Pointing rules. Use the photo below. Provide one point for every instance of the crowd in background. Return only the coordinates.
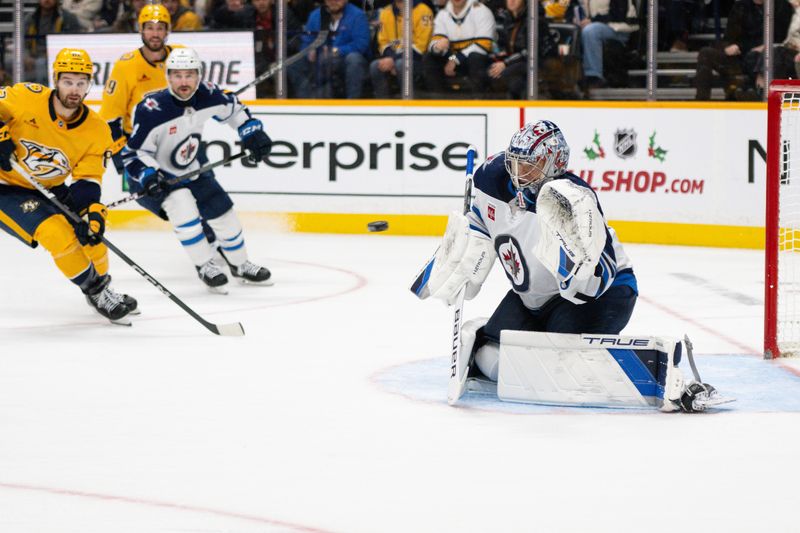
(461, 48)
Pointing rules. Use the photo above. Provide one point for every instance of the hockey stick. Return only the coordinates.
(178, 179)
(234, 329)
(321, 37)
(458, 370)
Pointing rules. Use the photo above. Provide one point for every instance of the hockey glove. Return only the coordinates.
(254, 140)
(63, 195)
(91, 229)
(119, 142)
(154, 183)
(6, 149)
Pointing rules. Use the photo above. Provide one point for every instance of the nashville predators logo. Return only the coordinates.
(29, 206)
(45, 163)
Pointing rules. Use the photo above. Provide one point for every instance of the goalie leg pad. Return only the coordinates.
(487, 359)
(582, 370)
(463, 359)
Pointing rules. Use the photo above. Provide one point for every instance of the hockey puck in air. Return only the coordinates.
(378, 225)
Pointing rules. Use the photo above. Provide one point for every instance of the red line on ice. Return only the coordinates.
(161, 504)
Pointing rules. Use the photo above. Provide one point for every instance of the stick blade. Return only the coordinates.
(234, 329)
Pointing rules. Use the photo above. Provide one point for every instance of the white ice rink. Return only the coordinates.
(330, 414)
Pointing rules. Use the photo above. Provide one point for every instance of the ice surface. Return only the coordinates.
(331, 414)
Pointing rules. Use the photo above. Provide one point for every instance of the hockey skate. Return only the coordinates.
(249, 273)
(213, 276)
(108, 303)
(132, 305)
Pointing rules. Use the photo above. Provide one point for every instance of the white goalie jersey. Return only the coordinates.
(516, 233)
(167, 133)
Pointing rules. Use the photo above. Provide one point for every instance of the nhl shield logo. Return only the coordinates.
(29, 206)
(625, 143)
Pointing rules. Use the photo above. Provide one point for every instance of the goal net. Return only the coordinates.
(782, 253)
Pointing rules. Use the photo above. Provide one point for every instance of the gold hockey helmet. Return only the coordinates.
(154, 13)
(72, 60)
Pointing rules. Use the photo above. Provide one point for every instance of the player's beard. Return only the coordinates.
(185, 91)
(72, 101)
(155, 44)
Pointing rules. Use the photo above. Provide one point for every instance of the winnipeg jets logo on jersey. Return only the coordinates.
(185, 151)
(151, 104)
(513, 263)
(45, 163)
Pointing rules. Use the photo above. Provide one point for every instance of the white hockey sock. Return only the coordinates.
(181, 209)
(229, 232)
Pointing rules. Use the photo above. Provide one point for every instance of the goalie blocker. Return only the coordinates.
(589, 370)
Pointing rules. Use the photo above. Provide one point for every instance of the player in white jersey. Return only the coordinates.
(166, 142)
(569, 274)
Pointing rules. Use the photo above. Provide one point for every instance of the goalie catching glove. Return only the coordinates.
(465, 257)
(573, 232)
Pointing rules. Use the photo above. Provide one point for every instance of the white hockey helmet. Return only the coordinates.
(536, 152)
(184, 59)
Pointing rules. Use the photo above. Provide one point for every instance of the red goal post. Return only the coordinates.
(782, 239)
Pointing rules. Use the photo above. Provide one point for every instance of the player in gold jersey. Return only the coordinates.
(136, 74)
(51, 134)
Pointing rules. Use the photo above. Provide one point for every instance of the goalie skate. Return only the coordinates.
(213, 277)
(698, 397)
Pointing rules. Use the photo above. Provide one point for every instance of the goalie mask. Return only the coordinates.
(536, 153)
(182, 82)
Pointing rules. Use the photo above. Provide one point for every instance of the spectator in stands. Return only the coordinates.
(511, 64)
(47, 18)
(303, 8)
(390, 44)
(463, 37)
(783, 54)
(266, 18)
(606, 20)
(85, 10)
(559, 10)
(128, 20)
(109, 12)
(183, 18)
(738, 51)
(233, 15)
(676, 20)
(340, 65)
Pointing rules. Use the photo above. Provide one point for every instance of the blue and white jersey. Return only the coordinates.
(515, 233)
(167, 132)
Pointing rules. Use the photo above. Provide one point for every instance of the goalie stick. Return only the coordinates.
(233, 329)
(458, 370)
